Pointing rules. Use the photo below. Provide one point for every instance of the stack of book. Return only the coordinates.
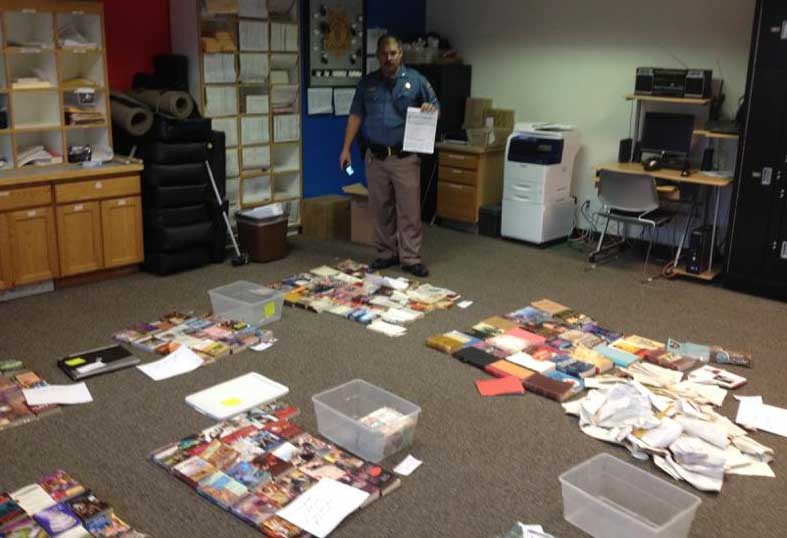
(256, 463)
(14, 410)
(553, 349)
(36, 156)
(57, 505)
(348, 290)
(84, 116)
(210, 337)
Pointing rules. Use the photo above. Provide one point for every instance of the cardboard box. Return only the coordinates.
(221, 7)
(501, 118)
(487, 137)
(361, 218)
(326, 217)
(475, 110)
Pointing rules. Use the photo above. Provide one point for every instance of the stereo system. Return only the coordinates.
(663, 82)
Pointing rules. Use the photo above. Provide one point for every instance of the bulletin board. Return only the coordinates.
(336, 42)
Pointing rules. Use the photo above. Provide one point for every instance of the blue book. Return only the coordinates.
(577, 384)
(618, 356)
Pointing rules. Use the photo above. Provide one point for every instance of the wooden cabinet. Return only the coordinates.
(68, 221)
(33, 245)
(6, 271)
(79, 238)
(467, 179)
(121, 224)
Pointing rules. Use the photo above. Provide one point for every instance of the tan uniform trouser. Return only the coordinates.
(395, 200)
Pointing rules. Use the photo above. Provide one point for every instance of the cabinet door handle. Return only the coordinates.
(31, 214)
(5, 194)
(99, 185)
(121, 202)
(783, 35)
(79, 207)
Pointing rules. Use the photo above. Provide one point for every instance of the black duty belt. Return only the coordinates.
(383, 152)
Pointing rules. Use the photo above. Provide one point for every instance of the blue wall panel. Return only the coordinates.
(323, 135)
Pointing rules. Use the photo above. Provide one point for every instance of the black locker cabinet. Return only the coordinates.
(757, 252)
(451, 83)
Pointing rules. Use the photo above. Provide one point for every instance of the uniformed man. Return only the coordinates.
(394, 176)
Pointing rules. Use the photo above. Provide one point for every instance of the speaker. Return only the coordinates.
(637, 155)
(698, 83)
(707, 159)
(644, 82)
(624, 153)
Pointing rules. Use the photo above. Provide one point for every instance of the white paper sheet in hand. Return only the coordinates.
(58, 394)
(420, 131)
(180, 361)
(236, 395)
(323, 507)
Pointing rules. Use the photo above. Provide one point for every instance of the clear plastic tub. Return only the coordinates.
(609, 498)
(366, 420)
(248, 302)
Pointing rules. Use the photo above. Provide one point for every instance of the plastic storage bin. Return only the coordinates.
(365, 419)
(248, 302)
(608, 498)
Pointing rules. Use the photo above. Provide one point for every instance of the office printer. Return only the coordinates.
(537, 202)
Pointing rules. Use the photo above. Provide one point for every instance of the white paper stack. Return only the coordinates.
(253, 35)
(256, 104)
(228, 126)
(286, 128)
(386, 328)
(256, 9)
(236, 396)
(254, 67)
(256, 157)
(254, 130)
(220, 101)
(219, 68)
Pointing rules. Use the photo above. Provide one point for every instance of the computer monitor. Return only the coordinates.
(667, 133)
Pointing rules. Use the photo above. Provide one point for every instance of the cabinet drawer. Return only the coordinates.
(458, 175)
(96, 189)
(459, 160)
(27, 197)
(457, 202)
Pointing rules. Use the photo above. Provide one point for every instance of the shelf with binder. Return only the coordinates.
(254, 68)
(29, 28)
(32, 70)
(81, 111)
(254, 99)
(51, 141)
(6, 150)
(255, 190)
(253, 35)
(79, 30)
(219, 68)
(221, 101)
(229, 126)
(285, 70)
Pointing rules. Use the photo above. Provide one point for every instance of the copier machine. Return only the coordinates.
(537, 202)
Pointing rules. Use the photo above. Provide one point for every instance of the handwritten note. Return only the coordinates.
(323, 507)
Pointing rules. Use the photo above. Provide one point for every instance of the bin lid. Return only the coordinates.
(269, 212)
(245, 292)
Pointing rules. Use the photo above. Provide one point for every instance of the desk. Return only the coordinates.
(696, 178)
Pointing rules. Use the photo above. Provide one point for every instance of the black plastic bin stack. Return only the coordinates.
(183, 225)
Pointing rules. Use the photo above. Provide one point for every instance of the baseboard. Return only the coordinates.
(98, 276)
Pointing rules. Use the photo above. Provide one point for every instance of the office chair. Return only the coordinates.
(630, 199)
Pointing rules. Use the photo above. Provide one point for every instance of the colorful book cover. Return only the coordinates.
(222, 489)
(617, 356)
(272, 464)
(56, 519)
(296, 481)
(549, 306)
(267, 441)
(490, 349)
(23, 528)
(275, 493)
(61, 486)
(87, 506)
(219, 455)
(276, 527)
(9, 509)
(689, 350)
(169, 456)
(283, 429)
(112, 527)
(248, 474)
(319, 469)
(13, 408)
(194, 470)
(343, 460)
(254, 509)
(577, 385)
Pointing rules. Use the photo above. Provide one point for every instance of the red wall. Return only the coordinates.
(136, 31)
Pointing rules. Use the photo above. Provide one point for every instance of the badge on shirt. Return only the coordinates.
(407, 85)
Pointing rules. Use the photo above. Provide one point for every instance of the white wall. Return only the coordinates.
(572, 61)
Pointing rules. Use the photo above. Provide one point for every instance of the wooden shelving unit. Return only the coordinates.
(676, 100)
(708, 275)
(245, 68)
(710, 134)
(33, 34)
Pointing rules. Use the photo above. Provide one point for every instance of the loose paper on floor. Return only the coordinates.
(407, 466)
(323, 507)
(58, 394)
(420, 131)
(181, 361)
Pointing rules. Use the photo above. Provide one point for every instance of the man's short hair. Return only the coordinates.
(388, 38)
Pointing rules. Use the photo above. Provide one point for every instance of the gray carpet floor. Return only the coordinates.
(488, 461)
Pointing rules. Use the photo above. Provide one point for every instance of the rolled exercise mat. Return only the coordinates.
(135, 119)
(177, 104)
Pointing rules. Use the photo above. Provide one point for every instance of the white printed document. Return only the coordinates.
(180, 361)
(420, 131)
(58, 394)
(323, 507)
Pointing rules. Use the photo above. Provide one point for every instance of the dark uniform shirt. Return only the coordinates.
(382, 103)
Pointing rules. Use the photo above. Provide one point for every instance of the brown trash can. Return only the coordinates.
(264, 240)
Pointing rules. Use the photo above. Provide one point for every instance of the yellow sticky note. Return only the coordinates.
(231, 402)
(76, 361)
(270, 309)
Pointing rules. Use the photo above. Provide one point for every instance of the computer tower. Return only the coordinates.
(699, 250)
